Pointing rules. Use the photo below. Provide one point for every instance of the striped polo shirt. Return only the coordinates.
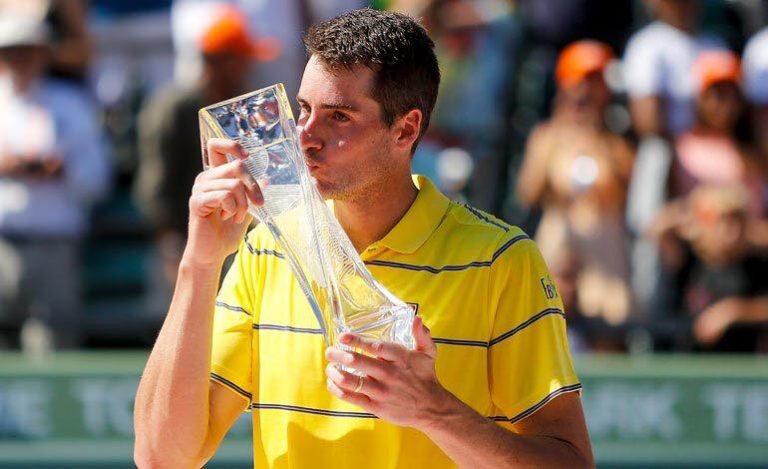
(479, 284)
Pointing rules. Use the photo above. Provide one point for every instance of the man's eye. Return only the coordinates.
(340, 116)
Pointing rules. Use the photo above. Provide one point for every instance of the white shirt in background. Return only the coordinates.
(755, 68)
(658, 62)
(51, 120)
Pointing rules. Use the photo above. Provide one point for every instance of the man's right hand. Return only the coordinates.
(218, 207)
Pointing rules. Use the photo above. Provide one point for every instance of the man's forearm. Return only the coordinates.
(754, 309)
(476, 442)
(172, 402)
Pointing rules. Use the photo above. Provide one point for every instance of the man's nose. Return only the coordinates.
(309, 136)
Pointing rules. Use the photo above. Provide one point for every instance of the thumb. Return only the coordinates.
(422, 338)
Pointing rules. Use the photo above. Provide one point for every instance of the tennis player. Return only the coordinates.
(490, 382)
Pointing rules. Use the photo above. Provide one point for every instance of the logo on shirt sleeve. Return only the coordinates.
(550, 290)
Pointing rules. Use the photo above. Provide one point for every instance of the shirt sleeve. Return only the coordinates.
(755, 68)
(529, 359)
(642, 70)
(232, 355)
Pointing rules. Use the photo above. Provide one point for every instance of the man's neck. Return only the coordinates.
(368, 220)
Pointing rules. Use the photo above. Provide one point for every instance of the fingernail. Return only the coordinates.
(345, 339)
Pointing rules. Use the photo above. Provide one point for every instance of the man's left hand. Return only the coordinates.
(399, 385)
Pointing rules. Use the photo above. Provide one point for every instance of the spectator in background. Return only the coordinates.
(755, 70)
(657, 71)
(52, 167)
(71, 51)
(464, 147)
(711, 152)
(755, 66)
(576, 171)
(169, 129)
(725, 290)
(657, 67)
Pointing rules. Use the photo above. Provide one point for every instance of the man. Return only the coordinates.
(52, 167)
(495, 386)
(168, 129)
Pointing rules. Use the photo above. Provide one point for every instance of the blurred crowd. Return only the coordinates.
(629, 137)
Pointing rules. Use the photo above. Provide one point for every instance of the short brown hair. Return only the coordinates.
(395, 46)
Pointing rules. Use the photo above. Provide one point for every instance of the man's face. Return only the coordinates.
(226, 72)
(348, 148)
(590, 95)
(720, 106)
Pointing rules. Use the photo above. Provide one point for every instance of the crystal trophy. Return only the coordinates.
(343, 295)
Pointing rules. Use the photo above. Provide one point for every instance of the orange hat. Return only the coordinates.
(715, 67)
(580, 59)
(228, 34)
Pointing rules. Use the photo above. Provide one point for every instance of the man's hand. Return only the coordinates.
(400, 385)
(218, 207)
(712, 323)
(30, 167)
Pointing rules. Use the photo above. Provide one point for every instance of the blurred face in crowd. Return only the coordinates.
(720, 106)
(682, 14)
(722, 240)
(349, 149)
(588, 98)
(224, 75)
(24, 63)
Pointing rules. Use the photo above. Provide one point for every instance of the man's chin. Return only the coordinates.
(327, 190)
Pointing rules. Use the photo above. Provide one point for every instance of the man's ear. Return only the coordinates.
(408, 127)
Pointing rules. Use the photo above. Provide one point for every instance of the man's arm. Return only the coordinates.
(532, 181)
(180, 417)
(647, 116)
(714, 322)
(401, 386)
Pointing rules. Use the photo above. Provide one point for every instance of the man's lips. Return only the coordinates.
(312, 165)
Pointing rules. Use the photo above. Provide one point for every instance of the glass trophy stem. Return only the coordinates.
(342, 295)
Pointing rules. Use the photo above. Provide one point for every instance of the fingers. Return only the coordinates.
(377, 348)
(227, 187)
(354, 384)
(233, 169)
(358, 399)
(238, 188)
(208, 202)
(219, 148)
(422, 338)
(374, 367)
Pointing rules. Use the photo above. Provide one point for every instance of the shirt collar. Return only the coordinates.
(421, 219)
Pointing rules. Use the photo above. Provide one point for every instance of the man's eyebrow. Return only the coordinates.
(331, 105)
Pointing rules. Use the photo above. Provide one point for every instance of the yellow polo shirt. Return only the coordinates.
(479, 284)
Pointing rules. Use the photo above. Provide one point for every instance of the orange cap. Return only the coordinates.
(715, 67)
(580, 59)
(228, 34)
